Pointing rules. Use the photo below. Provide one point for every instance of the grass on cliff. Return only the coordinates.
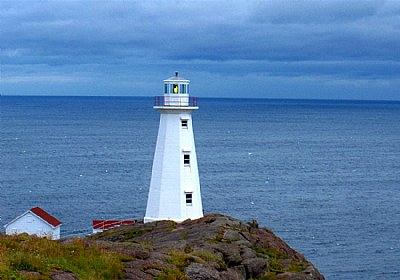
(276, 266)
(27, 253)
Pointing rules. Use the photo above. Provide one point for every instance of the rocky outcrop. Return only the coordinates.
(213, 247)
(62, 275)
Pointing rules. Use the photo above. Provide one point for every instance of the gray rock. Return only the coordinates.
(248, 253)
(232, 274)
(255, 267)
(153, 272)
(230, 253)
(232, 235)
(240, 270)
(196, 271)
(135, 274)
(148, 264)
(213, 247)
(246, 235)
(62, 275)
(243, 243)
(294, 276)
(157, 255)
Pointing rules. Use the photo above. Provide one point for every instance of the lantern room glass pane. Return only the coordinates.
(175, 88)
(183, 88)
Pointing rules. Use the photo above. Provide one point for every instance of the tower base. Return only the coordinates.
(150, 219)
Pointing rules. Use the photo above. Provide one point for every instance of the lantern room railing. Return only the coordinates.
(175, 101)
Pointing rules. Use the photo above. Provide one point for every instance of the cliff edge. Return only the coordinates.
(213, 247)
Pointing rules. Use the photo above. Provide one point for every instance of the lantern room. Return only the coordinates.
(176, 94)
(176, 85)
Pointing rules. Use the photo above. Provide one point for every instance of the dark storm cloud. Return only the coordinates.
(347, 39)
(308, 12)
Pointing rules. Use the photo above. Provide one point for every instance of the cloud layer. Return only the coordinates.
(127, 47)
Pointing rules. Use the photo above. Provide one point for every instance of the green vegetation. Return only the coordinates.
(188, 249)
(184, 235)
(297, 266)
(274, 257)
(180, 260)
(268, 276)
(276, 265)
(218, 237)
(209, 257)
(149, 266)
(27, 253)
(121, 235)
(172, 226)
(171, 274)
(162, 250)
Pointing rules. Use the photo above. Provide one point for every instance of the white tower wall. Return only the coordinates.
(171, 179)
(175, 186)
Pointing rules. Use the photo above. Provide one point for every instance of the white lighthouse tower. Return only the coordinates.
(175, 186)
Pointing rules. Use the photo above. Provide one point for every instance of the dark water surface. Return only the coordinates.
(323, 175)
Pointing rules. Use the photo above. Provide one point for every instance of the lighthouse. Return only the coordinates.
(174, 192)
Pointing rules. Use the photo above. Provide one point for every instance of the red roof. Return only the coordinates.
(106, 224)
(45, 216)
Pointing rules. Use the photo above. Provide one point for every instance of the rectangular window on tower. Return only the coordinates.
(189, 199)
(186, 160)
(184, 123)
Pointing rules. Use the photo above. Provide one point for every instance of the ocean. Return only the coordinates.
(323, 175)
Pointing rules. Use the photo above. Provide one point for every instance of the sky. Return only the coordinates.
(245, 49)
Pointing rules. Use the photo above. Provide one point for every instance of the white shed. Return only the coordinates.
(35, 221)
